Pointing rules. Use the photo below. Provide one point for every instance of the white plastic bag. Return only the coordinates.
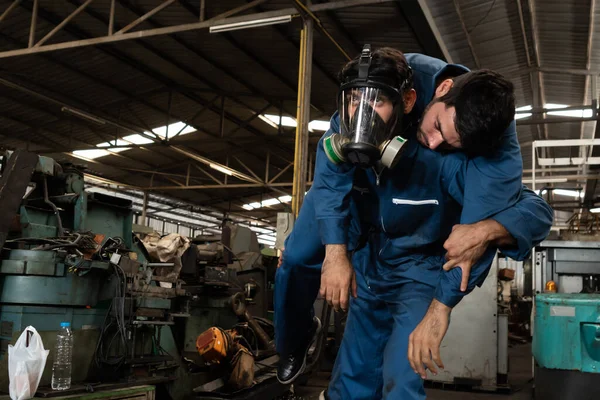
(26, 365)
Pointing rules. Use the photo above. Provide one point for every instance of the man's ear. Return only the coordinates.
(443, 87)
(410, 98)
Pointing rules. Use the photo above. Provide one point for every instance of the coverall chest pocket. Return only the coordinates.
(410, 216)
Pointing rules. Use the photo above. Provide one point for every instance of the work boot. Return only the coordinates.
(293, 365)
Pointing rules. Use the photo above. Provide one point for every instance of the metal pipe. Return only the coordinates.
(202, 10)
(533, 146)
(247, 168)
(557, 120)
(238, 10)
(271, 186)
(62, 24)
(533, 179)
(238, 304)
(144, 208)
(303, 114)
(144, 17)
(187, 27)
(187, 178)
(209, 175)
(322, 29)
(267, 166)
(536, 53)
(111, 18)
(34, 14)
(281, 173)
(9, 10)
(60, 230)
(168, 115)
(467, 35)
(222, 120)
(523, 34)
(215, 165)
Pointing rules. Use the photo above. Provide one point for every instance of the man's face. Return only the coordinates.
(437, 129)
(381, 104)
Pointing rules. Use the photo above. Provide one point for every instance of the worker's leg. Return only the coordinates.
(357, 373)
(297, 282)
(408, 307)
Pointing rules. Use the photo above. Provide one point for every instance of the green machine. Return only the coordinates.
(70, 256)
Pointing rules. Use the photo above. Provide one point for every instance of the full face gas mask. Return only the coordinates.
(371, 111)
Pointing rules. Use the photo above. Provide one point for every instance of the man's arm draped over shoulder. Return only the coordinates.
(331, 189)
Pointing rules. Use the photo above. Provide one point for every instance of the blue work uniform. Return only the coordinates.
(412, 209)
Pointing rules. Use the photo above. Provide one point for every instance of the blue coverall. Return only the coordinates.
(412, 208)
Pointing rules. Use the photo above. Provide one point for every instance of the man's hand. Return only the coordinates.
(467, 243)
(337, 276)
(280, 260)
(424, 342)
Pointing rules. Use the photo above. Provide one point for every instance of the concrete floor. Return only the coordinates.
(519, 379)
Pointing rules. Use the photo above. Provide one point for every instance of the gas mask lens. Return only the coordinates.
(364, 114)
(370, 109)
(367, 119)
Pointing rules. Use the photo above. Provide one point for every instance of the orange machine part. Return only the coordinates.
(212, 345)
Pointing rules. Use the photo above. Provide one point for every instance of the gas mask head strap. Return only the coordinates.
(364, 64)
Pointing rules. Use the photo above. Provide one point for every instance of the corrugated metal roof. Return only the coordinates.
(132, 81)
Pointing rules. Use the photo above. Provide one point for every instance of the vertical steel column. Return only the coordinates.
(533, 165)
(34, 14)
(111, 18)
(144, 207)
(222, 121)
(303, 115)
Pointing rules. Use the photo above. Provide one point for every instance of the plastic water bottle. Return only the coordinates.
(61, 369)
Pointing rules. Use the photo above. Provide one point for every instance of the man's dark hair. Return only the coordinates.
(387, 63)
(485, 106)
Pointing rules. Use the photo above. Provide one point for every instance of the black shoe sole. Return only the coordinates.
(303, 367)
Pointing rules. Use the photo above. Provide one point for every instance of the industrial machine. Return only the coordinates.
(476, 358)
(70, 255)
(566, 328)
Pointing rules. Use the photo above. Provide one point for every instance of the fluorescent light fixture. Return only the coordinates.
(595, 210)
(90, 154)
(546, 180)
(317, 125)
(552, 105)
(580, 113)
(250, 24)
(571, 193)
(219, 168)
(285, 199)
(255, 205)
(247, 207)
(522, 115)
(270, 202)
(83, 115)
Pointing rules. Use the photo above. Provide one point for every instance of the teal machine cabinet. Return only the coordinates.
(566, 330)
(40, 283)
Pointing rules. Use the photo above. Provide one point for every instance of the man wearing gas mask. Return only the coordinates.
(403, 200)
